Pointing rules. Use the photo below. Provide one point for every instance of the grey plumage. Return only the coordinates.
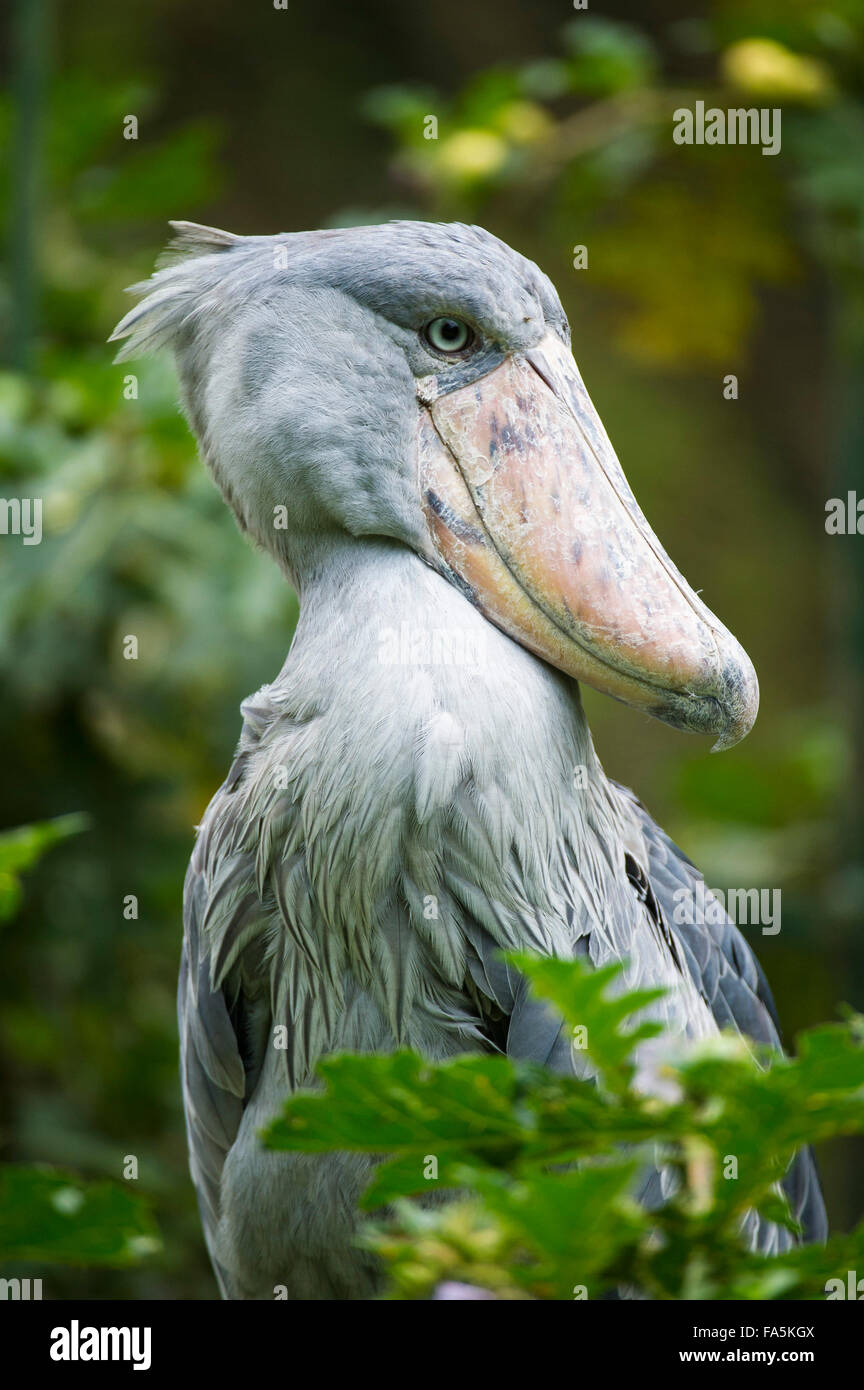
(387, 826)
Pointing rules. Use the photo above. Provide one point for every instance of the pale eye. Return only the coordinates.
(448, 335)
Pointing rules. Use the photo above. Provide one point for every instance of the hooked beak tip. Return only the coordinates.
(737, 705)
(736, 730)
(725, 706)
(733, 734)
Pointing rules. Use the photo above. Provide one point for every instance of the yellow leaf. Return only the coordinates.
(764, 68)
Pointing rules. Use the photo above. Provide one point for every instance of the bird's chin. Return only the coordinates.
(529, 511)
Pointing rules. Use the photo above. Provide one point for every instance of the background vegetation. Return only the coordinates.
(554, 131)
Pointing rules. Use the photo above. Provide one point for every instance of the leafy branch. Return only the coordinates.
(543, 1171)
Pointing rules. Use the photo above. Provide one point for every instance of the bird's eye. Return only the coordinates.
(447, 335)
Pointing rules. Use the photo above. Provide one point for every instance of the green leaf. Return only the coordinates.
(49, 1215)
(400, 1101)
(608, 56)
(23, 847)
(579, 992)
(575, 1223)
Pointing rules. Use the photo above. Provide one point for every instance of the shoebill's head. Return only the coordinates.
(414, 381)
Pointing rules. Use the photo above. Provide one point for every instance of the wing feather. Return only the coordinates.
(211, 1067)
(729, 977)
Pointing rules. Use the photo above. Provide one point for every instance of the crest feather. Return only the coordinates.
(195, 239)
(189, 272)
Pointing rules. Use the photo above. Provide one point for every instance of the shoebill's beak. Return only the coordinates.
(528, 507)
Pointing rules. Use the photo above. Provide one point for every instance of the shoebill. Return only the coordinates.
(393, 413)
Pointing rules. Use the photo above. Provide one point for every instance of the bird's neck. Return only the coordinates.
(414, 694)
(419, 785)
(383, 639)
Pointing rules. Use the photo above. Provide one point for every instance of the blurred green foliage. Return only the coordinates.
(50, 1217)
(542, 1168)
(20, 849)
(136, 541)
(47, 1216)
(664, 223)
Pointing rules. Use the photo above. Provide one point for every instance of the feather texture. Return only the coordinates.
(366, 906)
